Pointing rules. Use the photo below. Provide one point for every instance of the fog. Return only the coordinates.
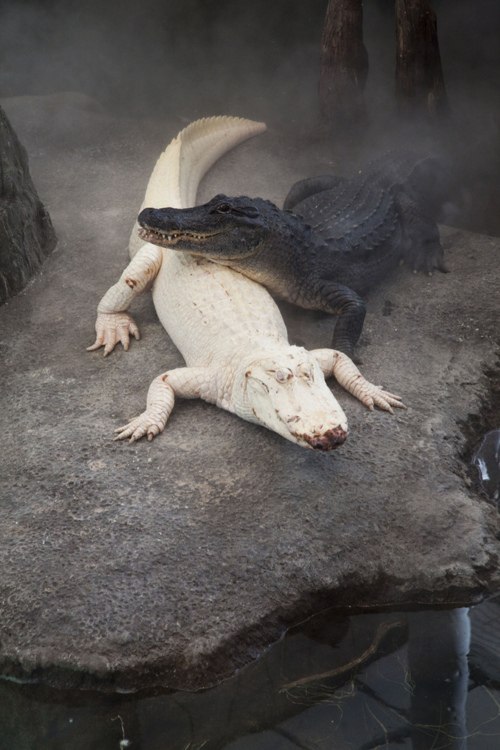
(159, 57)
(191, 58)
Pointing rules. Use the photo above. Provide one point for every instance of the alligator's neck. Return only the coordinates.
(293, 248)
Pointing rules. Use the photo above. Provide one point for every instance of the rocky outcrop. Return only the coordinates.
(178, 561)
(26, 232)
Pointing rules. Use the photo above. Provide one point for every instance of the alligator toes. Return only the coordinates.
(384, 402)
(144, 424)
(427, 258)
(112, 328)
(376, 396)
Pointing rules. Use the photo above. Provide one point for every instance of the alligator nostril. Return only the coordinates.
(157, 218)
(147, 217)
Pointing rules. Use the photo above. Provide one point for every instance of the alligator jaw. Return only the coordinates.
(170, 239)
(189, 243)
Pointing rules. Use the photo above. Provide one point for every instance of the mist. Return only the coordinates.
(185, 59)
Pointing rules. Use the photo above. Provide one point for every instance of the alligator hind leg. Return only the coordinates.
(347, 374)
(422, 249)
(186, 382)
(310, 186)
(350, 308)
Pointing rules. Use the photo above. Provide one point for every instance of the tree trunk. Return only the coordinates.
(419, 75)
(344, 64)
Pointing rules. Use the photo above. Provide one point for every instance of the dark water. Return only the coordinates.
(487, 462)
(421, 680)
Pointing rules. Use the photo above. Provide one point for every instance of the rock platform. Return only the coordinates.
(178, 561)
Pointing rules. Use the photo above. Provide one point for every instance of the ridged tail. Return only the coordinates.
(179, 170)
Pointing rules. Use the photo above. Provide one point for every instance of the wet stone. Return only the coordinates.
(178, 561)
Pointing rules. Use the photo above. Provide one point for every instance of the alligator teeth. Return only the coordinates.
(148, 233)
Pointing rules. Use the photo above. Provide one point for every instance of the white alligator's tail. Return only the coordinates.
(180, 168)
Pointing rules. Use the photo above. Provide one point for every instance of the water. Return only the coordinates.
(422, 680)
(487, 462)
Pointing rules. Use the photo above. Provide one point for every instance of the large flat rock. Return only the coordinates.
(177, 561)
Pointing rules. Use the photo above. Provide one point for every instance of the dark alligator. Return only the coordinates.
(335, 239)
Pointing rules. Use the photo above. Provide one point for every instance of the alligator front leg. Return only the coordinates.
(186, 382)
(349, 308)
(113, 323)
(347, 374)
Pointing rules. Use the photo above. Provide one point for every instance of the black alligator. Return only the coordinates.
(335, 239)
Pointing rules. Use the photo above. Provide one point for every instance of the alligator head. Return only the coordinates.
(287, 393)
(226, 229)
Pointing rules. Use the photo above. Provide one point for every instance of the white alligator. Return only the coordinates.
(227, 327)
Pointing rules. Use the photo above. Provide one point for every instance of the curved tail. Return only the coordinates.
(180, 168)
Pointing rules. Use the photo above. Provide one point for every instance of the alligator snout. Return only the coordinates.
(157, 218)
(328, 441)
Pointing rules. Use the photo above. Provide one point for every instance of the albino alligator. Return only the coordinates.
(227, 327)
(343, 237)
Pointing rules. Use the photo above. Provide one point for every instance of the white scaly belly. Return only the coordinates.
(212, 313)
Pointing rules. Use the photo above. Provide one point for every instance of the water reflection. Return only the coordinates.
(393, 680)
(438, 644)
(487, 462)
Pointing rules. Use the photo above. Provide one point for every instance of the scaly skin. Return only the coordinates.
(342, 239)
(228, 328)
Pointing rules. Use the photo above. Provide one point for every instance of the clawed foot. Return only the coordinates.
(145, 424)
(374, 395)
(352, 380)
(427, 257)
(112, 328)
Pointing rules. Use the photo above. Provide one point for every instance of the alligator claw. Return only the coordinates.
(112, 328)
(373, 395)
(143, 425)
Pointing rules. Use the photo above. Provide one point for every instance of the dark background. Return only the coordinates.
(256, 58)
(143, 54)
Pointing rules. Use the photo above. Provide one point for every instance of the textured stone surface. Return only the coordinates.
(26, 232)
(180, 560)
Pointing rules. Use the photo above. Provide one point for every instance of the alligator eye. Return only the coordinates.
(281, 375)
(223, 208)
